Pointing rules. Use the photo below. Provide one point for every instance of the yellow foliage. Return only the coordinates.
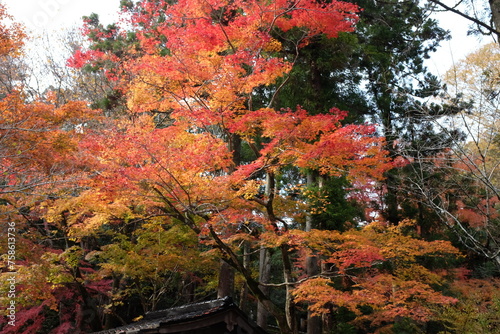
(249, 189)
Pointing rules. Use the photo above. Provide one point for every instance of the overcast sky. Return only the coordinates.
(39, 15)
(458, 47)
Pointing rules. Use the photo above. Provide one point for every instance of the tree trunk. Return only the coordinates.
(313, 322)
(253, 286)
(312, 268)
(291, 318)
(244, 289)
(89, 315)
(264, 277)
(226, 280)
(226, 275)
(495, 16)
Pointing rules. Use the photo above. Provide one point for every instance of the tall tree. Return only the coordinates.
(378, 74)
(397, 38)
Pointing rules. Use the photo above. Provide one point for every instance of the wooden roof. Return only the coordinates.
(209, 317)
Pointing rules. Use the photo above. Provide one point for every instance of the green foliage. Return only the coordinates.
(406, 326)
(335, 210)
(326, 74)
(154, 261)
(478, 308)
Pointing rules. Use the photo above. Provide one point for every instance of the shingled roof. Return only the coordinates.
(211, 317)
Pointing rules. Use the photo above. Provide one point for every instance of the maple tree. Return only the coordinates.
(39, 160)
(376, 267)
(216, 161)
(37, 136)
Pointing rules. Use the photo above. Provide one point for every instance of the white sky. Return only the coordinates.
(39, 15)
(47, 15)
(458, 47)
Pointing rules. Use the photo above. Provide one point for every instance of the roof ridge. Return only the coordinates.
(214, 303)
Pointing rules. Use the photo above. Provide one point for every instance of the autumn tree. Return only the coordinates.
(213, 156)
(222, 160)
(39, 160)
(36, 136)
(376, 73)
(387, 58)
(376, 273)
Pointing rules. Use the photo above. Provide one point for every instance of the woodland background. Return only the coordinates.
(295, 155)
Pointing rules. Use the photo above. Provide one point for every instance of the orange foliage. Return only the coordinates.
(188, 171)
(205, 86)
(12, 35)
(479, 214)
(39, 143)
(38, 140)
(360, 259)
